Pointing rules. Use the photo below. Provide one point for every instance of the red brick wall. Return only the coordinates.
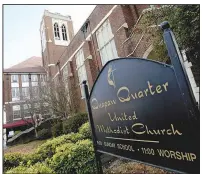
(120, 15)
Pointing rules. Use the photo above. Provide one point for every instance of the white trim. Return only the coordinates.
(88, 37)
(136, 46)
(69, 59)
(124, 25)
(28, 116)
(57, 15)
(17, 118)
(21, 73)
(102, 21)
(148, 51)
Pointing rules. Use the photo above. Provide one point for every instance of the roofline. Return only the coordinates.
(24, 72)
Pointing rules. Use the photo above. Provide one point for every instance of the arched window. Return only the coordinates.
(64, 33)
(56, 31)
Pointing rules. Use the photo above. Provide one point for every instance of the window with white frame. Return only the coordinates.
(15, 94)
(56, 31)
(25, 78)
(81, 70)
(64, 32)
(27, 109)
(36, 105)
(35, 91)
(16, 112)
(42, 78)
(25, 92)
(106, 44)
(14, 78)
(34, 78)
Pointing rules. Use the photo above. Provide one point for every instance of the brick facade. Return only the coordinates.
(122, 18)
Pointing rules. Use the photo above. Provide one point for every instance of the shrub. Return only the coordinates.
(77, 158)
(85, 130)
(48, 148)
(30, 159)
(15, 159)
(57, 129)
(12, 160)
(39, 168)
(73, 123)
(19, 169)
(44, 134)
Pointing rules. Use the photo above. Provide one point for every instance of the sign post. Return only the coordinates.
(180, 72)
(97, 154)
(143, 110)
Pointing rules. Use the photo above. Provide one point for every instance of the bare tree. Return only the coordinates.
(34, 108)
(59, 97)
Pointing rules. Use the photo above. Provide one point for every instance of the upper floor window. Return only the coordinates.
(64, 32)
(25, 92)
(106, 44)
(14, 78)
(34, 78)
(25, 78)
(42, 78)
(15, 94)
(35, 91)
(82, 75)
(56, 31)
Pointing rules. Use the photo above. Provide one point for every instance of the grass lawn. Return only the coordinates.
(24, 148)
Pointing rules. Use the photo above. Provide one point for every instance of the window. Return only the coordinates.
(152, 6)
(81, 70)
(15, 94)
(42, 77)
(35, 91)
(27, 110)
(16, 112)
(14, 78)
(37, 108)
(56, 31)
(25, 93)
(64, 33)
(36, 105)
(34, 78)
(25, 78)
(106, 43)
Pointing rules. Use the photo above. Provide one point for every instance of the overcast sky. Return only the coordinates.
(21, 28)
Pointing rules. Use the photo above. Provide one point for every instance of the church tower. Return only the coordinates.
(56, 32)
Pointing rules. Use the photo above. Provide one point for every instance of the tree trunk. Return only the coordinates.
(36, 133)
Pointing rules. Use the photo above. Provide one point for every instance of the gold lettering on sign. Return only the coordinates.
(139, 128)
(123, 117)
(109, 129)
(127, 98)
(96, 105)
(124, 94)
(150, 87)
(185, 156)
